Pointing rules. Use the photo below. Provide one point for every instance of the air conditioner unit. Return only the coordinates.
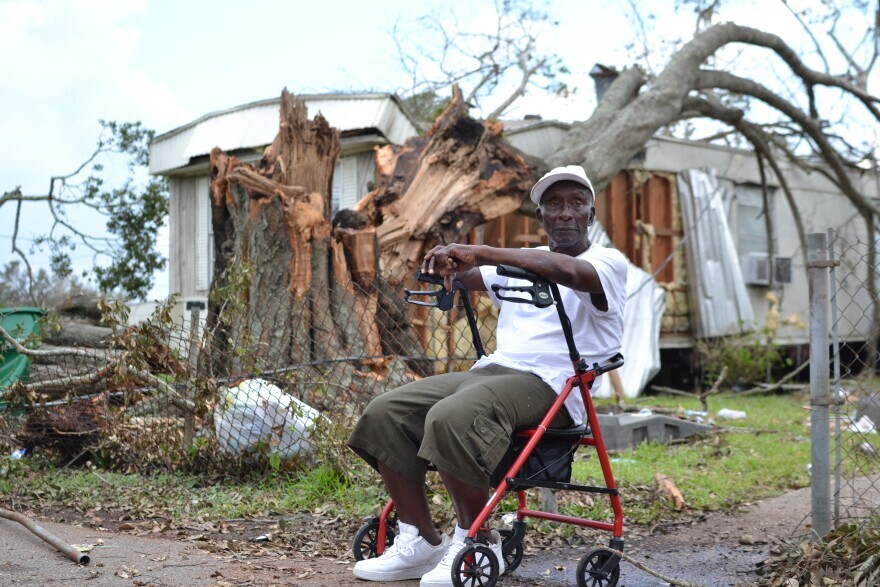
(782, 269)
(756, 269)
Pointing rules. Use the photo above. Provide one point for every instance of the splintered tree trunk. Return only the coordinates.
(271, 233)
(289, 291)
(436, 188)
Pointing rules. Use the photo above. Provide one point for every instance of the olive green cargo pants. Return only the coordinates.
(461, 422)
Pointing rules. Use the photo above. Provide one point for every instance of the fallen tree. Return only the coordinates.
(309, 293)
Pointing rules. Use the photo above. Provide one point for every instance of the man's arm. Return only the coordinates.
(458, 261)
(471, 279)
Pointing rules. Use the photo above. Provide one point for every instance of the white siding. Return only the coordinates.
(202, 242)
(347, 190)
(182, 262)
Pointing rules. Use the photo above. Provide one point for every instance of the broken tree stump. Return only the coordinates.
(436, 188)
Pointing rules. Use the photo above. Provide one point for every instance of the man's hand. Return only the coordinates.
(447, 260)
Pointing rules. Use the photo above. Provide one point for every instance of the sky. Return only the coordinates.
(68, 63)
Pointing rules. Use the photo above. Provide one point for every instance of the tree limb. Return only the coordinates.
(75, 352)
(778, 385)
(719, 79)
(652, 572)
(528, 72)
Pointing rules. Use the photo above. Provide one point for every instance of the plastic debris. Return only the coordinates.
(725, 414)
(863, 425)
(866, 448)
(697, 413)
(644, 413)
(257, 412)
(17, 454)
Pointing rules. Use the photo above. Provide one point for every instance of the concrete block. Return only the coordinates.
(869, 405)
(622, 431)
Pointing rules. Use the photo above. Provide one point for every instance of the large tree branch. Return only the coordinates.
(527, 73)
(605, 143)
(718, 79)
(71, 352)
(16, 196)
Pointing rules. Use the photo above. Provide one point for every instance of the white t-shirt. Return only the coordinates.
(531, 339)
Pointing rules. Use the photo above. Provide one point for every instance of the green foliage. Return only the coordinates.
(134, 213)
(133, 209)
(747, 357)
(135, 219)
(275, 461)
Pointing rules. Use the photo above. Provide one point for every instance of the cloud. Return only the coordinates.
(66, 64)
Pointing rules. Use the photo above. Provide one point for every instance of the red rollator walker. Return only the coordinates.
(538, 457)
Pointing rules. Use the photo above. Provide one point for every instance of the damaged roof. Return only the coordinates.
(255, 125)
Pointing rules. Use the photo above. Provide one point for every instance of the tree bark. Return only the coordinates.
(291, 292)
(436, 188)
(78, 333)
(271, 228)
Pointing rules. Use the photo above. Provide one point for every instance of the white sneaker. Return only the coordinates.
(441, 575)
(410, 557)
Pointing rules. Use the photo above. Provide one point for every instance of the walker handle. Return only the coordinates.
(539, 291)
(517, 273)
(442, 299)
(615, 362)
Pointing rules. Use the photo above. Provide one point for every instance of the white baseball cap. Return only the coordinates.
(574, 173)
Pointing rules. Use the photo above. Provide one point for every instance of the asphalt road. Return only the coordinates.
(720, 551)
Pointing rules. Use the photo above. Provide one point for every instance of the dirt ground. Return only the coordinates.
(721, 549)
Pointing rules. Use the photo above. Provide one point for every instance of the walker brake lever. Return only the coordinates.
(443, 299)
(539, 291)
(539, 294)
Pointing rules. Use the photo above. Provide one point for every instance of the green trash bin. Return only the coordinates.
(20, 323)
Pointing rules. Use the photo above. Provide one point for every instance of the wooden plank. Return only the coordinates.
(533, 239)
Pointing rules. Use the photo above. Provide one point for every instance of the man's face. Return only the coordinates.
(565, 212)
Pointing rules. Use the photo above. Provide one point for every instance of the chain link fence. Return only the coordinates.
(845, 389)
(256, 381)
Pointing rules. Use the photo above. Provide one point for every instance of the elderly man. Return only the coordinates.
(462, 422)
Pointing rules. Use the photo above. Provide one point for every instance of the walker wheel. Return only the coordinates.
(475, 566)
(366, 539)
(589, 571)
(513, 553)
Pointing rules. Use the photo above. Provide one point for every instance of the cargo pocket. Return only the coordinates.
(489, 440)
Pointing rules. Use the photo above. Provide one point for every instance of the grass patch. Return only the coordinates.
(180, 497)
(763, 455)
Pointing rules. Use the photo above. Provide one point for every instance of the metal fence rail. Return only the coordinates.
(252, 385)
(844, 381)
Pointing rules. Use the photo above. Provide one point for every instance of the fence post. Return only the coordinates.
(188, 419)
(817, 272)
(835, 352)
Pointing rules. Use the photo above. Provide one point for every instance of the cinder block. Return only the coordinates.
(869, 405)
(621, 431)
